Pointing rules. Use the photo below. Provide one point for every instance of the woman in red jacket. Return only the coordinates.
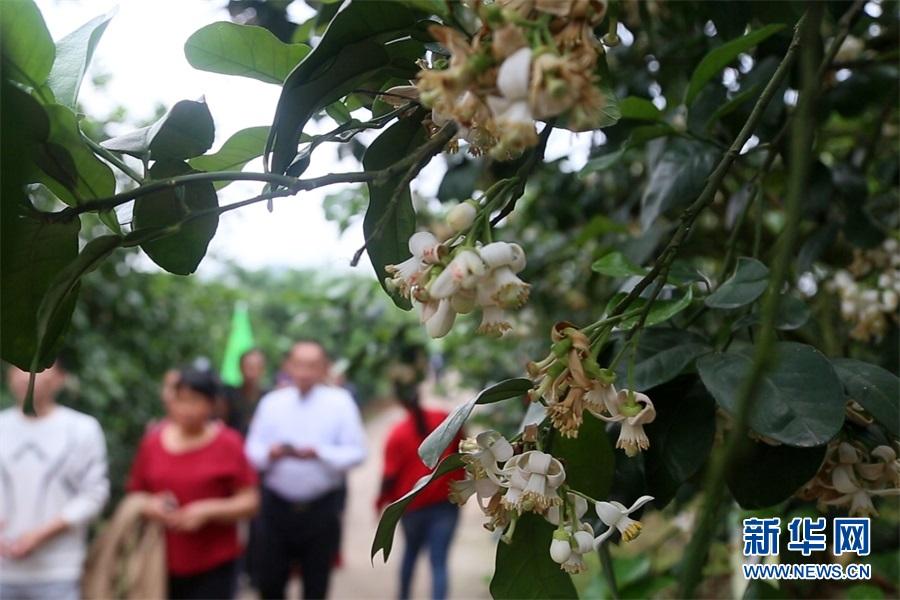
(202, 485)
(430, 519)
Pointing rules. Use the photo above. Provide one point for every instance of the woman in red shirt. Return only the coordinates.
(202, 485)
(430, 519)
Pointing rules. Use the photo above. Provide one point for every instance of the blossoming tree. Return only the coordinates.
(722, 295)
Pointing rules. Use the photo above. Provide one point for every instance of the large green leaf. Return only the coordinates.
(245, 50)
(750, 280)
(661, 311)
(26, 45)
(55, 309)
(799, 402)
(185, 131)
(588, 459)
(74, 173)
(32, 254)
(662, 354)
(677, 177)
(384, 534)
(182, 251)
(615, 264)
(390, 219)
(681, 436)
(352, 49)
(764, 475)
(237, 151)
(437, 441)
(876, 389)
(73, 55)
(524, 568)
(639, 109)
(720, 57)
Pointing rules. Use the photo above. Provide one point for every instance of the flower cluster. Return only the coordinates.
(450, 278)
(851, 475)
(509, 481)
(531, 60)
(869, 290)
(569, 381)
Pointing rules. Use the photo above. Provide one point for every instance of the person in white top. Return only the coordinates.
(303, 439)
(53, 482)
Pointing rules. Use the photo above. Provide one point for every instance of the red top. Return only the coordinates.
(403, 466)
(216, 470)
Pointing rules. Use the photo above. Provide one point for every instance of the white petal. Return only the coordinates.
(609, 513)
(560, 551)
(420, 241)
(602, 537)
(441, 322)
(502, 449)
(514, 74)
(639, 503)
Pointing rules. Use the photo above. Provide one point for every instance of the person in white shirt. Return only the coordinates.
(53, 482)
(303, 439)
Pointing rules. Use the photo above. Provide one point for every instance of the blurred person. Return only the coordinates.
(166, 396)
(54, 483)
(430, 519)
(304, 438)
(241, 401)
(202, 485)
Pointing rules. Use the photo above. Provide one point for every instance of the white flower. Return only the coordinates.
(461, 216)
(511, 292)
(494, 321)
(560, 546)
(534, 477)
(600, 398)
(615, 516)
(461, 490)
(484, 452)
(462, 272)
(633, 410)
(425, 250)
(513, 117)
(498, 254)
(568, 549)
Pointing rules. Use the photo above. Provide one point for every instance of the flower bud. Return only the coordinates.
(560, 548)
(461, 216)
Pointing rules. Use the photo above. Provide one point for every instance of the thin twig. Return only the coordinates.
(112, 159)
(801, 154)
(709, 191)
(523, 173)
(416, 163)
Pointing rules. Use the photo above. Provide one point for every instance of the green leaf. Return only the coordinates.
(437, 441)
(384, 534)
(662, 354)
(639, 109)
(55, 309)
(733, 104)
(638, 137)
(182, 251)
(681, 437)
(390, 219)
(719, 58)
(339, 112)
(877, 390)
(25, 43)
(73, 55)
(237, 151)
(524, 569)
(615, 264)
(32, 254)
(185, 131)
(750, 280)
(799, 403)
(353, 49)
(661, 311)
(764, 475)
(793, 313)
(589, 458)
(677, 178)
(431, 7)
(244, 50)
(75, 173)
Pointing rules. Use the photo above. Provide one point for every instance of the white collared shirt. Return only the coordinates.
(326, 419)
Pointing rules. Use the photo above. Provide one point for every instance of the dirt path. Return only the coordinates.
(471, 556)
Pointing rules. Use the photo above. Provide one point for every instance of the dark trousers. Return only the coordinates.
(219, 582)
(306, 532)
(431, 526)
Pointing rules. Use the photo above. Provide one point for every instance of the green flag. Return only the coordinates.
(239, 341)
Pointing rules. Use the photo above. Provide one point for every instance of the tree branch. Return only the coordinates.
(715, 179)
(801, 155)
(523, 173)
